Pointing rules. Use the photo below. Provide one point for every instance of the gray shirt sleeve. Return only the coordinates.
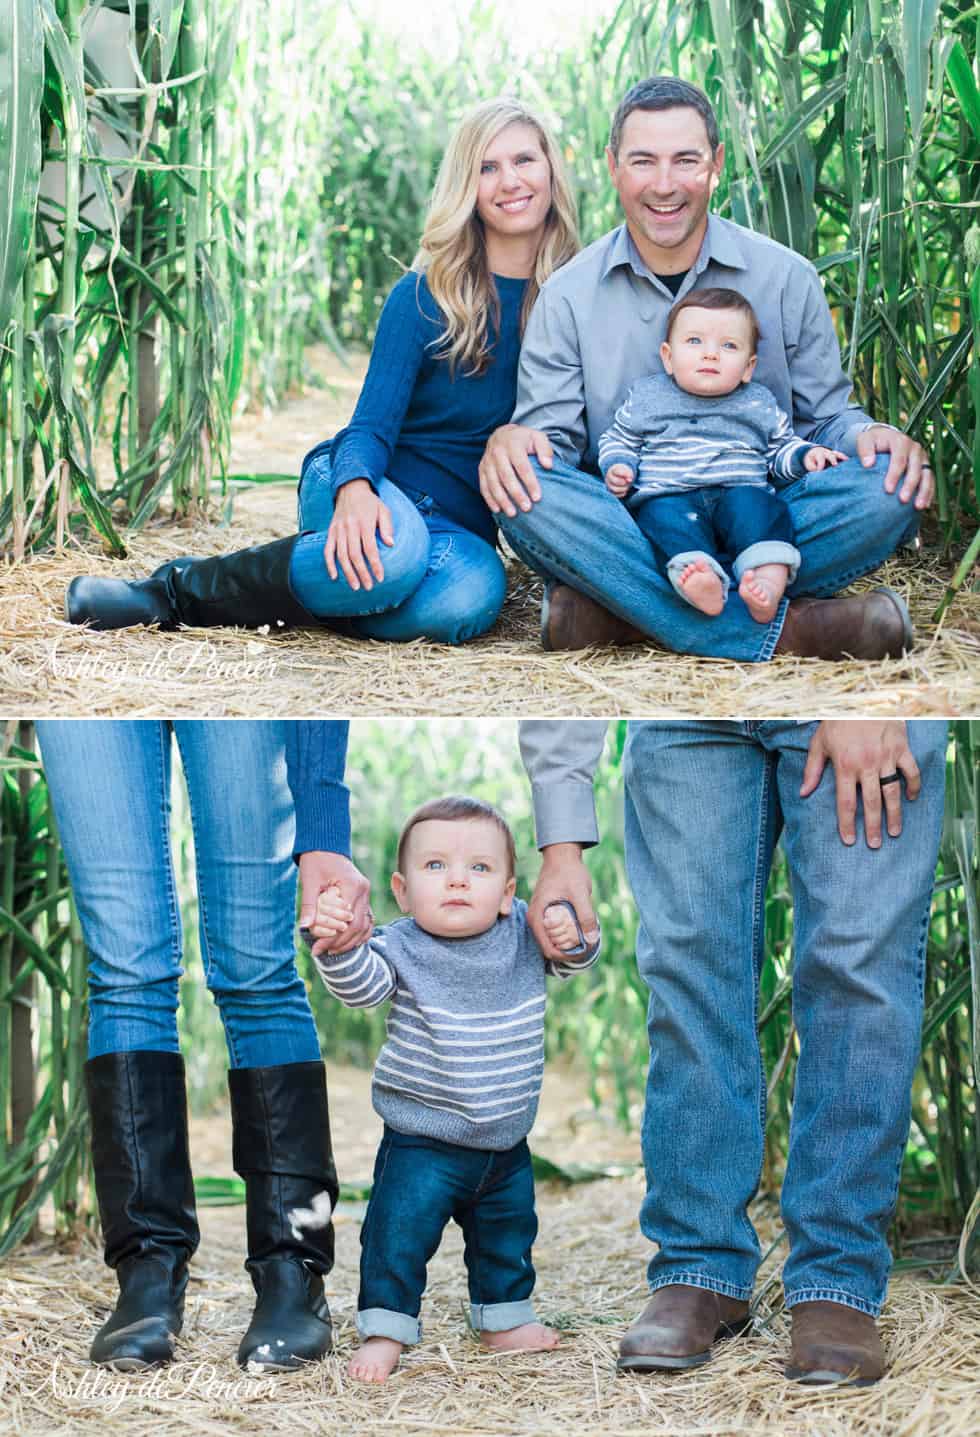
(550, 380)
(561, 757)
(821, 390)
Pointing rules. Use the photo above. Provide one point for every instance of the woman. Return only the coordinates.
(443, 375)
(110, 787)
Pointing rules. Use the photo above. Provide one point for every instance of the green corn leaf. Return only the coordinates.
(964, 84)
(165, 17)
(802, 116)
(21, 88)
(918, 24)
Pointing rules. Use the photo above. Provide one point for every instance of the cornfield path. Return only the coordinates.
(590, 1261)
(48, 667)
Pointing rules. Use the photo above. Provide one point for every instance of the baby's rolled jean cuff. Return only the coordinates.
(769, 551)
(399, 1326)
(679, 562)
(501, 1316)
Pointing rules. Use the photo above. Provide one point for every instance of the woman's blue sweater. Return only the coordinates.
(415, 425)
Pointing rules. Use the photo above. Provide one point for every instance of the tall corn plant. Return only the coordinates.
(43, 1119)
(101, 292)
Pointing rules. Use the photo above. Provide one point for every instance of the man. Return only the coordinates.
(705, 805)
(597, 327)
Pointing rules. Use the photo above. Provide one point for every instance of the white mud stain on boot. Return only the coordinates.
(310, 1218)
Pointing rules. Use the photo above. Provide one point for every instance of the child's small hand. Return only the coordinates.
(332, 914)
(561, 927)
(619, 477)
(818, 458)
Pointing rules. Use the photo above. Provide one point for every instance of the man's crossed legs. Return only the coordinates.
(845, 525)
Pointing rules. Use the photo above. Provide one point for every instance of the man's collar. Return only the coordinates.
(720, 244)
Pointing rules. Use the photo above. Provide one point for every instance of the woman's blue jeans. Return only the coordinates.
(845, 526)
(441, 581)
(705, 804)
(110, 786)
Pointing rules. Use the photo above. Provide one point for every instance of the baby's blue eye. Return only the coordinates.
(434, 864)
(693, 339)
(481, 867)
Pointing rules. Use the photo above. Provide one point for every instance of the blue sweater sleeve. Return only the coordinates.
(316, 752)
(407, 324)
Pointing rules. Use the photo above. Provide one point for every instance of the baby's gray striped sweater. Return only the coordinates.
(673, 440)
(464, 1054)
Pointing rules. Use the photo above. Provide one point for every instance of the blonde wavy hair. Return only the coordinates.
(452, 252)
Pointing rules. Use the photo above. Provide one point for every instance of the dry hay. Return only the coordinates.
(49, 667)
(589, 1258)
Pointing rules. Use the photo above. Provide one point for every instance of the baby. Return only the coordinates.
(692, 449)
(458, 1079)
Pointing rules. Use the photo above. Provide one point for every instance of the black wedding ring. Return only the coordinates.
(890, 778)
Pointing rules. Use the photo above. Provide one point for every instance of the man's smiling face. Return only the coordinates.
(665, 175)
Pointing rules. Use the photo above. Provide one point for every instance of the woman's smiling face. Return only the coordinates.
(514, 192)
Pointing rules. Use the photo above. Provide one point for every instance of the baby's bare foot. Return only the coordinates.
(702, 587)
(762, 589)
(531, 1337)
(375, 1360)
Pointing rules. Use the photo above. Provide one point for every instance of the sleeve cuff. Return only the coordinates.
(564, 812)
(323, 820)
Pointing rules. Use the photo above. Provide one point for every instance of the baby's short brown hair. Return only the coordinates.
(717, 298)
(456, 808)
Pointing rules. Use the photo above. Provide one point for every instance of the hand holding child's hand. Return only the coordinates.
(818, 458)
(332, 914)
(619, 478)
(561, 928)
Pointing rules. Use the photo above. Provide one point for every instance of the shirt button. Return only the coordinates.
(694, 421)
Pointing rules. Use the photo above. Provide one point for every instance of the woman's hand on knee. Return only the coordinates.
(359, 516)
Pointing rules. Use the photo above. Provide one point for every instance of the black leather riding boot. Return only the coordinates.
(138, 1108)
(247, 589)
(281, 1147)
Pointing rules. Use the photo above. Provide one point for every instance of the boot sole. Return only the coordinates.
(662, 1362)
(825, 1377)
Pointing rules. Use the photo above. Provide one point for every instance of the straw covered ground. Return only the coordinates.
(46, 666)
(590, 1260)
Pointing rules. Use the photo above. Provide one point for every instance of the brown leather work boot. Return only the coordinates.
(834, 1344)
(860, 626)
(677, 1328)
(570, 620)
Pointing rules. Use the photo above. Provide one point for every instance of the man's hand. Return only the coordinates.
(506, 475)
(357, 516)
(862, 752)
(819, 457)
(905, 457)
(619, 478)
(563, 876)
(319, 872)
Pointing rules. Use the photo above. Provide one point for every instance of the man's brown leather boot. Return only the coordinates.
(834, 1343)
(570, 620)
(860, 626)
(677, 1327)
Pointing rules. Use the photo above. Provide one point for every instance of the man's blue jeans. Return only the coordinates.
(419, 1184)
(705, 804)
(845, 526)
(110, 786)
(441, 581)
